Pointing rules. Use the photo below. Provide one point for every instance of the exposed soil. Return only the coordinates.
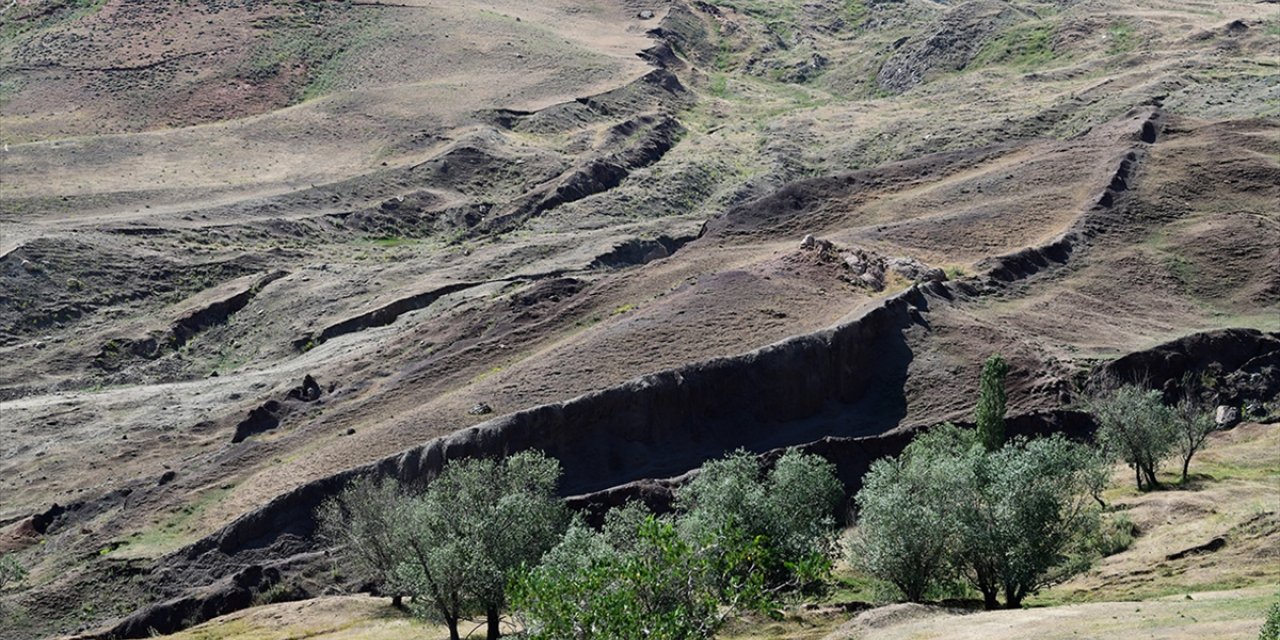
(591, 222)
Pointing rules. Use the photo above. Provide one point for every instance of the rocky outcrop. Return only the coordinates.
(199, 317)
(1227, 367)
(229, 594)
(381, 316)
(218, 311)
(637, 251)
(948, 46)
(262, 418)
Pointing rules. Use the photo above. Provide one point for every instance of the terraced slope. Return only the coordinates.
(487, 226)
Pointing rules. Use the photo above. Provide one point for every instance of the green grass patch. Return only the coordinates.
(175, 530)
(1024, 47)
(1121, 38)
(48, 14)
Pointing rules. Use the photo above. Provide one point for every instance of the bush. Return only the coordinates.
(790, 507)
(740, 537)
(651, 584)
(10, 571)
(908, 513)
(1271, 627)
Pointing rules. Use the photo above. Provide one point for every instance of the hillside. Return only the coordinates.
(579, 226)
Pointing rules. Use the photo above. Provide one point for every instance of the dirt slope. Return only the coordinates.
(450, 214)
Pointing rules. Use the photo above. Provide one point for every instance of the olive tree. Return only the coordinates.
(1023, 508)
(1004, 520)
(1192, 426)
(454, 547)
(1136, 426)
(908, 511)
(791, 507)
(366, 522)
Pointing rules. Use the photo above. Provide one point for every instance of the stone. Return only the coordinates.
(645, 15)
(1227, 416)
(480, 409)
(808, 242)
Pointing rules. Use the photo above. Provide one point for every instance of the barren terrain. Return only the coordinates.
(577, 226)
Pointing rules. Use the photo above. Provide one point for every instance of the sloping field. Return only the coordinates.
(486, 226)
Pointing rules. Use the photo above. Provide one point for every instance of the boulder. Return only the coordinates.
(1227, 416)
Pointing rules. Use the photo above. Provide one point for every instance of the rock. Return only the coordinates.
(645, 15)
(1208, 547)
(480, 409)
(808, 242)
(1227, 416)
(263, 418)
(308, 392)
(916, 271)
(166, 478)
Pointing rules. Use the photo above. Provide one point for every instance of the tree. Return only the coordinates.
(989, 414)
(454, 547)
(366, 522)
(1027, 504)
(791, 507)
(908, 511)
(643, 582)
(1004, 520)
(1136, 426)
(475, 525)
(1192, 426)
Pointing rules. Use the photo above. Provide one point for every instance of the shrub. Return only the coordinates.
(790, 507)
(652, 583)
(1271, 627)
(908, 514)
(11, 572)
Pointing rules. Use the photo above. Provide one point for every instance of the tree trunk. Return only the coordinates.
(495, 630)
(1137, 473)
(1152, 483)
(453, 628)
(989, 601)
(1012, 598)
(397, 601)
(1186, 463)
